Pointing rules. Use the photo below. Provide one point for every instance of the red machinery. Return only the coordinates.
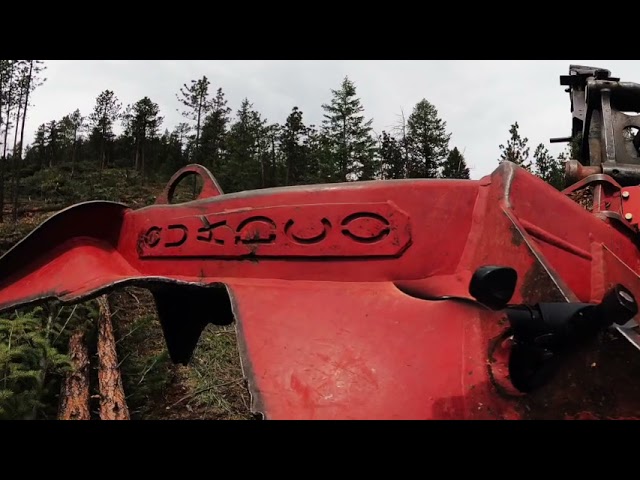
(390, 299)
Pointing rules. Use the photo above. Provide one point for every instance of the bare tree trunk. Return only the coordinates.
(286, 180)
(262, 169)
(9, 79)
(15, 134)
(2, 175)
(274, 165)
(9, 101)
(74, 394)
(196, 157)
(73, 151)
(142, 162)
(14, 162)
(19, 159)
(405, 147)
(196, 153)
(2, 80)
(113, 405)
(103, 150)
(344, 162)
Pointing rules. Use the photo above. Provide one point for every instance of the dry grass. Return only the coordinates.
(211, 387)
(214, 379)
(11, 233)
(583, 197)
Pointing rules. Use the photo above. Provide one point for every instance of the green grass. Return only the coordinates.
(215, 378)
(210, 387)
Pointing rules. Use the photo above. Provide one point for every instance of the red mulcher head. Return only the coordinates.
(383, 299)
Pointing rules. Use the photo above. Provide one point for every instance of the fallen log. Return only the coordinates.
(42, 209)
(74, 393)
(113, 405)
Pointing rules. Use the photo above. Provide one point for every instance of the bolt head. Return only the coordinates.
(625, 194)
(628, 216)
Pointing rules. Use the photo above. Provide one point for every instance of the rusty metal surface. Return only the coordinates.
(352, 300)
(575, 172)
(605, 116)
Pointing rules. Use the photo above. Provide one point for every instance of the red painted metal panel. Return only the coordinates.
(369, 353)
(338, 289)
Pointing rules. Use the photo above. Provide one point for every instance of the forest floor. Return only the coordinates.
(212, 385)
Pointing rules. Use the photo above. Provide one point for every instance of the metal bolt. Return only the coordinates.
(625, 194)
(628, 216)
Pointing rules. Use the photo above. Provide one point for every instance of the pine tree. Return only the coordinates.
(347, 141)
(66, 128)
(106, 112)
(392, 157)
(196, 98)
(547, 167)
(516, 150)
(170, 156)
(28, 81)
(214, 132)
(76, 125)
(269, 154)
(22, 69)
(143, 122)
(53, 142)
(243, 170)
(27, 361)
(400, 130)
(428, 141)
(40, 145)
(313, 144)
(9, 100)
(455, 165)
(296, 150)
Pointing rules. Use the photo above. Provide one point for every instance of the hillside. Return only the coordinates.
(211, 387)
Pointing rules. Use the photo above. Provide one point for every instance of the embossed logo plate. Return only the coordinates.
(318, 230)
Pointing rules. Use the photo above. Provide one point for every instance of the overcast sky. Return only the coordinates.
(479, 100)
